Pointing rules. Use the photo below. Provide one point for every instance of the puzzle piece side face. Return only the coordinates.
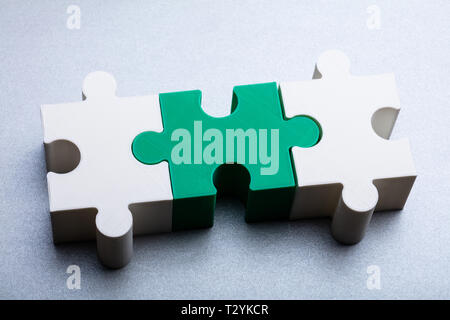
(350, 153)
(108, 179)
(256, 109)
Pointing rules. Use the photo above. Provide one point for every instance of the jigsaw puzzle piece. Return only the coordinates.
(96, 187)
(197, 146)
(354, 169)
(271, 190)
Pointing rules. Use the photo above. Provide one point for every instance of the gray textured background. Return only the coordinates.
(163, 46)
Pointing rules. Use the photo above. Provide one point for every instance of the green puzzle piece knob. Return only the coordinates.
(200, 150)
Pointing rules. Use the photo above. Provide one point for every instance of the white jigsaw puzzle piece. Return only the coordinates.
(353, 170)
(130, 197)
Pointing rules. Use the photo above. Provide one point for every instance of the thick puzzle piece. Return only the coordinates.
(245, 137)
(354, 169)
(97, 188)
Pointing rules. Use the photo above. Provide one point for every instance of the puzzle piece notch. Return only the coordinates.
(95, 198)
(366, 171)
(254, 107)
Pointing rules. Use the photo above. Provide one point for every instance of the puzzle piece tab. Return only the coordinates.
(196, 146)
(96, 187)
(354, 169)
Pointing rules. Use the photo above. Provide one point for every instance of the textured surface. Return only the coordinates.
(164, 47)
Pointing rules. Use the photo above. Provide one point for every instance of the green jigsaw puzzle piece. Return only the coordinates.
(199, 149)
